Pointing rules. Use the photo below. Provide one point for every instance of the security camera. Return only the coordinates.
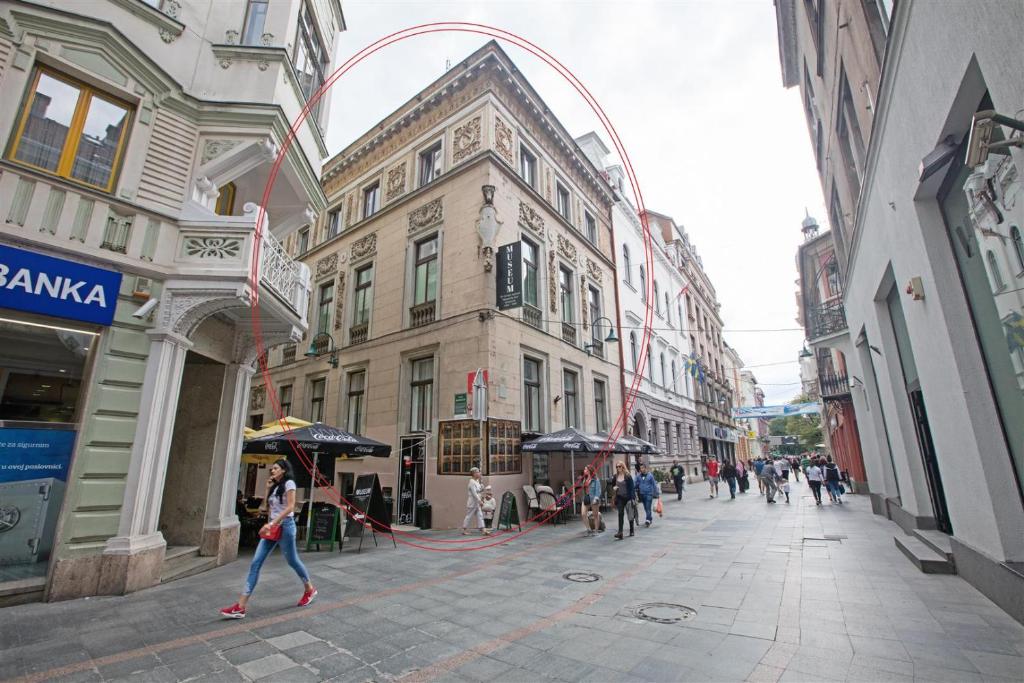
(144, 311)
(986, 137)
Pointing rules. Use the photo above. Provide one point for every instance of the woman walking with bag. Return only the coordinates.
(279, 530)
(591, 500)
(625, 492)
(474, 512)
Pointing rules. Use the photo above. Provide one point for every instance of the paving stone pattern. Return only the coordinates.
(782, 593)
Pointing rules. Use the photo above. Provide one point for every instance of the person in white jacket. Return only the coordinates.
(474, 513)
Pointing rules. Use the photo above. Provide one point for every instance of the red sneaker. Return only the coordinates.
(307, 598)
(233, 612)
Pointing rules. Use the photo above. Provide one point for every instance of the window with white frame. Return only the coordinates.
(528, 166)
(600, 406)
(355, 401)
(675, 377)
(633, 350)
(643, 283)
(421, 390)
(657, 301)
(284, 399)
(570, 398)
(309, 58)
(532, 419)
(627, 265)
(333, 223)
(371, 199)
(325, 304)
(430, 164)
(594, 306)
(530, 273)
(566, 295)
(425, 271)
(304, 240)
(362, 302)
(562, 203)
(664, 377)
(591, 227)
(317, 391)
(255, 19)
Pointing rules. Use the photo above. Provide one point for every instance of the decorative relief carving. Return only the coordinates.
(231, 37)
(426, 216)
(327, 265)
(350, 207)
(258, 397)
(339, 302)
(547, 185)
(364, 246)
(466, 140)
(584, 304)
(552, 281)
(529, 217)
(171, 8)
(503, 141)
(567, 249)
(594, 271)
(267, 39)
(396, 182)
(212, 247)
(214, 148)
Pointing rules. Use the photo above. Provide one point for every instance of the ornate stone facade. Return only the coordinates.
(364, 246)
(553, 281)
(426, 216)
(529, 217)
(258, 397)
(395, 183)
(339, 302)
(213, 148)
(504, 142)
(466, 140)
(594, 270)
(327, 265)
(566, 248)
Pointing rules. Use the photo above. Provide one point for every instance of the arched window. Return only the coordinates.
(668, 310)
(632, 349)
(657, 301)
(674, 377)
(1018, 246)
(643, 284)
(664, 377)
(997, 276)
(627, 265)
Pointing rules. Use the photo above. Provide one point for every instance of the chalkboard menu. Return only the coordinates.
(508, 514)
(323, 528)
(367, 503)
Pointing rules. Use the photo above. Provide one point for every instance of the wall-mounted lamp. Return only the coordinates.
(915, 288)
(322, 345)
(610, 339)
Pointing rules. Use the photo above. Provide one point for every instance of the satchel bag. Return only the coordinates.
(586, 500)
(274, 534)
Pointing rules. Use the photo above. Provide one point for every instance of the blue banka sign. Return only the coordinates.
(51, 286)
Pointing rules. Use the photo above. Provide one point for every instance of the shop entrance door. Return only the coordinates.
(931, 463)
(410, 487)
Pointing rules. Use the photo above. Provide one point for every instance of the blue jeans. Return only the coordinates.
(263, 550)
(732, 486)
(647, 499)
(833, 488)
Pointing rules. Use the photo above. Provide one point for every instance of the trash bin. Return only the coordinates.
(423, 514)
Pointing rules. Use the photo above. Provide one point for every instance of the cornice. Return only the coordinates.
(165, 21)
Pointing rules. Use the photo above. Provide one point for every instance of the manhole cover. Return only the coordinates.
(582, 577)
(663, 612)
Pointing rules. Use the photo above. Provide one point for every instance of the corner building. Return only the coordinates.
(404, 266)
(137, 139)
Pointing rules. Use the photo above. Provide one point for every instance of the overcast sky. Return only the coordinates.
(695, 93)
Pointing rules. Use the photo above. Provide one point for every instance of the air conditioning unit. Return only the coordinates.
(28, 519)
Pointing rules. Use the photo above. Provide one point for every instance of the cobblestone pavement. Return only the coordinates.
(781, 592)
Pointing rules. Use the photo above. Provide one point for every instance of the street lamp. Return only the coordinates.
(322, 345)
(610, 339)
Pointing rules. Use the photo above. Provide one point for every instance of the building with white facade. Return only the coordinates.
(934, 267)
(137, 141)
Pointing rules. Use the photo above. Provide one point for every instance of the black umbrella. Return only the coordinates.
(569, 440)
(632, 444)
(319, 438)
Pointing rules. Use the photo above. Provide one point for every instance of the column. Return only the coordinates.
(221, 526)
(134, 558)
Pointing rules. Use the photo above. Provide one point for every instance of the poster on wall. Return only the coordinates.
(34, 466)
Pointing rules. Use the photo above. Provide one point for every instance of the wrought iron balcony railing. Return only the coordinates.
(826, 319)
(833, 385)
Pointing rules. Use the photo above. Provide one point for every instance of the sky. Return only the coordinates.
(694, 90)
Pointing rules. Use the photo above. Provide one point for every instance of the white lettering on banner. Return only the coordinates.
(56, 287)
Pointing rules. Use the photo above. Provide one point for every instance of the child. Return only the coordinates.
(785, 489)
(487, 505)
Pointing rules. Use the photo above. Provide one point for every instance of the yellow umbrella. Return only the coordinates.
(272, 427)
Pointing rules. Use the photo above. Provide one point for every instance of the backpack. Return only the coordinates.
(831, 472)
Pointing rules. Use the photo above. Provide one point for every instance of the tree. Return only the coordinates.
(807, 428)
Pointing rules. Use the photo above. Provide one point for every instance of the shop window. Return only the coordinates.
(504, 455)
(458, 448)
(72, 131)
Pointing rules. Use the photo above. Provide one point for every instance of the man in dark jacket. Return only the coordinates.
(729, 474)
(677, 473)
(647, 489)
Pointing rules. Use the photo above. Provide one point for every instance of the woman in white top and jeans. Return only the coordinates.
(474, 513)
(281, 505)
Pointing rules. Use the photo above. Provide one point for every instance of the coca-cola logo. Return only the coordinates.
(331, 436)
(271, 446)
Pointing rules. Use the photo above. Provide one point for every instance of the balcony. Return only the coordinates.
(532, 316)
(833, 386)
(826, 319)
(357, 333)
(596, 348)
(422, 314)
(569, 333)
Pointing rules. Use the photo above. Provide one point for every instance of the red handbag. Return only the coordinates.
(274, 534)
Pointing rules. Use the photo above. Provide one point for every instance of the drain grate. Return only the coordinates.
(663, 612)
(581, 577)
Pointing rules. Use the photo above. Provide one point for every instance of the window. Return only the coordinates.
(679, 437)
(531, 395)
(371, 200)
(356, 401)
(679, 312)
(633, 350)
(664, 377)
(504, 454)
(565, 289)
(600, 406)
(1018, 246)
(528, 167)
(851, 142)
(643, 284)
(255, 18)
(363, 300)
(530, 260)
(72, 131)
(594, 306)
(657, 301)
(653, 435)
(997, 275)
(668, 435)
(333, 223)
(430, 164)
(309, 58)
(459, 447)
(323, 309)
(627, 265)
(425, 275)
(832, 277)
(562, 201)
(284, 400)
(422, 389)
(225, 201)
(317, 390)
(304, 240)
(675, 377)
(668, 310)
(591, 225)
(570, 398)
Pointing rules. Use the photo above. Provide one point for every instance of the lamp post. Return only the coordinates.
(610, 339)
(322, 345)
